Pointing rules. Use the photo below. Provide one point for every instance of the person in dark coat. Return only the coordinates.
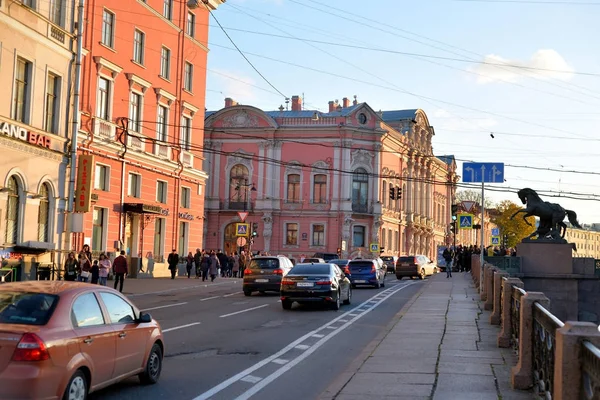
(197, 262)
(173, 260)
(70, 268)
(95, 272)
(120, 270)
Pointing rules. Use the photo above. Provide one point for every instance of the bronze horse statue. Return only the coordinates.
(551, 216)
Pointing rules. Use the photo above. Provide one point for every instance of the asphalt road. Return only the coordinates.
(223, 345)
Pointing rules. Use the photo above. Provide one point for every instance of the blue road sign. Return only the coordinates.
(465, 221)
(495, 240)
(495, 231)
(483, 172)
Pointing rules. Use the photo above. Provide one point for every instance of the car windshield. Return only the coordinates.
(339, 262)
(26, 308)
(361, 264)
(387, 258)
(310, 269)
(264, 263)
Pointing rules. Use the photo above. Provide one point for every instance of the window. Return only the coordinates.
(98, 223)
(56, 12)
(51, 117)
(165, 63)
(238, 184)
(108, 29)
(168, 9)
(186, 133)
(358, 237)
(29, 3)
(191, 24)
(138, 46)
(320, 189)
(183, 238)
(44, 214)
(291, 234)
(161, 124)
(293, 188)
(161, 191)
(135, 112)
(318, 237)
(185, 197)
(119, 311)
(101, 177)
(134, 185)
(390, 242)
(383, 238)
(188, 76)
(86, 311)
(26, 308)
(360, 191)
(22, 94)
(159, 238)
(103, 106)
(13, 204)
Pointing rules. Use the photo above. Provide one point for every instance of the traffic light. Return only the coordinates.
(453, 228)
(454, 211)
(254, 229)
(399, 192)
(392, 193)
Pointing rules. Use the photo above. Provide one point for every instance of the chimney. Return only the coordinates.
(229, 102)
(296, 103)
(339, 108)
(332, 106)
(345, 102)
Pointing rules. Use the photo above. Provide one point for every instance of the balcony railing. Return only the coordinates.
(187, 159)
(136, 143)
(162, 150)
(236, 205)
(104, 129)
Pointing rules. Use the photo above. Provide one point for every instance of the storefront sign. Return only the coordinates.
(151, 209)
(85, 169)
(165, 212)
(184, 215)
(23, 134)
(9, 255)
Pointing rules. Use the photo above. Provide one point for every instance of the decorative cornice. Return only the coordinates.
(112, 67)
(27, 148)
(193, 109)
(160, 93)
(133, 78)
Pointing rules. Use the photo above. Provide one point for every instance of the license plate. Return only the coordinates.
(404, 264)
(305, 284)
(261, 280)
(360, 281)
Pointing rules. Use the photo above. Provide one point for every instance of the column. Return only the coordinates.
(376, 172)
(260, 190)
(216, 172)
(269, 168)
(409, 190)
(347, 165)
(335, 182)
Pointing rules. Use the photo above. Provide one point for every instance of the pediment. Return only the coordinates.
(240, 117)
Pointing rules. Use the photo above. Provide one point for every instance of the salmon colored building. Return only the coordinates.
(315, 182)
(142, 106)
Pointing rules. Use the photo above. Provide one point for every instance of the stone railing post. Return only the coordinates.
(496, 315)
(522, 373)
(506, 323)
(567, 360)
(484, 272)
(489, 288)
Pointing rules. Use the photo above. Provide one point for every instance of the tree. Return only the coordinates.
(473, 195)
(515, 229)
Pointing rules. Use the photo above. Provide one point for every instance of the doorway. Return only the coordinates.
(230, 239)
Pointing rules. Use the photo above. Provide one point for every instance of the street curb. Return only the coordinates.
(342, 380)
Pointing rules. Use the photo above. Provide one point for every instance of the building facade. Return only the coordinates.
(142, 107)
(35, 72)
(587, 241)
(317, 182)
(468, 237)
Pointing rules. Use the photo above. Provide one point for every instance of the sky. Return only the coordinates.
(525, 72)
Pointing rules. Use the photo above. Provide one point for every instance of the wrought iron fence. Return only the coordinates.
(545, 325)
(515, 317)
(512, 265)
(590, 372)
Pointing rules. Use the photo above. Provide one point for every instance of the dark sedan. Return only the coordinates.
(322, 282)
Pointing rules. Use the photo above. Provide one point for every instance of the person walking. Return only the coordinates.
(197, 262)
(173, 260)
(236, 264)
(205, 265)
(214, 266)
(85, 267)
(70, 268)
(189, 263)
(104, 268)
(120, 270)
(447, 255)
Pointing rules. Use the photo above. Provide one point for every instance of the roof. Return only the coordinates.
(344, 112)
(448, 159)
(49, 287)
(397, 115)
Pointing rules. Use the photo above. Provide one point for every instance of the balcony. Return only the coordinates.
(104, 129)
(236, 205)
(362, 208)
(162, 150)
(136, 143)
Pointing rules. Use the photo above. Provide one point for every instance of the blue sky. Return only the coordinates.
(545, 114)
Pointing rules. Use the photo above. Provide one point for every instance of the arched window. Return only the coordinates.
(238, 184)
(44, 214)
(12, 211)
(360, 190)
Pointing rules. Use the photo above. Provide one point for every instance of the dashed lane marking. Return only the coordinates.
(302, 346)
(231, 294)
(242, 311)
(251, 379)
(167, 306)
(180, 289)
(210, 298)
(181, 327)
(280, 361)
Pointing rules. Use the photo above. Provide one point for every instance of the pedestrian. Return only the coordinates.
(189, 263)
(95, 271)
(120, 270)
(205, 265)
(197, 262)
(242, 262)
(236, 264)
(85, 266)
(214, 266)
(447, 255)
(70, 268)
(173, 260)
(105, 266)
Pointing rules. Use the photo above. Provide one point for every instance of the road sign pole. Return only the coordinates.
(482, 235)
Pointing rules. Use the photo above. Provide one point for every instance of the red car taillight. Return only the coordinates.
(30, 348)
(247, 271)
(323, 282)
(278, 271)
(373, 269)
(287, 282)
(347, 270)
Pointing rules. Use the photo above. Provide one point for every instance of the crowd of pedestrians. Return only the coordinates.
(95, 271)
(210, 264)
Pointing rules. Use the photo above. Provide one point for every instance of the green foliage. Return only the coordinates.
(517, 228)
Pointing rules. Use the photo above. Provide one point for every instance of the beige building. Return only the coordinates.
(35, 76)
(587, 242)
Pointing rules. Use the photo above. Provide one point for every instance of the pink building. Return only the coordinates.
(317, 182)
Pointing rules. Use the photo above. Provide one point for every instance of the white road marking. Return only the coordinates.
(332, 327)
(231, 294)
(302, 347)
(265, 381)
(251, 379)
(168, 305)
(179, 288)
(280, 361)
(318, 335)
(210, 298)
(181, 327)
(242, 311)
(343, 320)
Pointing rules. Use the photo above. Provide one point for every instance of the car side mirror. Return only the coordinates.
(144, 318)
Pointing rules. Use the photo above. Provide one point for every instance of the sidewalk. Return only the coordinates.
(440, 346)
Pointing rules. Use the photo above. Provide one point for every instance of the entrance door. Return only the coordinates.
(230, 239)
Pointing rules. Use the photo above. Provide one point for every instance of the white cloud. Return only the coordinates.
(543, 64)
(443, 120)
(234, 85)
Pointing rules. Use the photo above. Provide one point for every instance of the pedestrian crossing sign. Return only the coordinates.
(495, 240)
(242, 229)
(465, 221)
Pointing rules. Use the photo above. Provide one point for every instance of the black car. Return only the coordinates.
(264, 274)
(322, 282)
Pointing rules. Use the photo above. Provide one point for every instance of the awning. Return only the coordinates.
(141, 208)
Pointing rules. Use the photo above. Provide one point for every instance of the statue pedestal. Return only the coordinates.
(546, 258)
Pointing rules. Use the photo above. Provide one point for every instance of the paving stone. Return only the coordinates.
(454, 367)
